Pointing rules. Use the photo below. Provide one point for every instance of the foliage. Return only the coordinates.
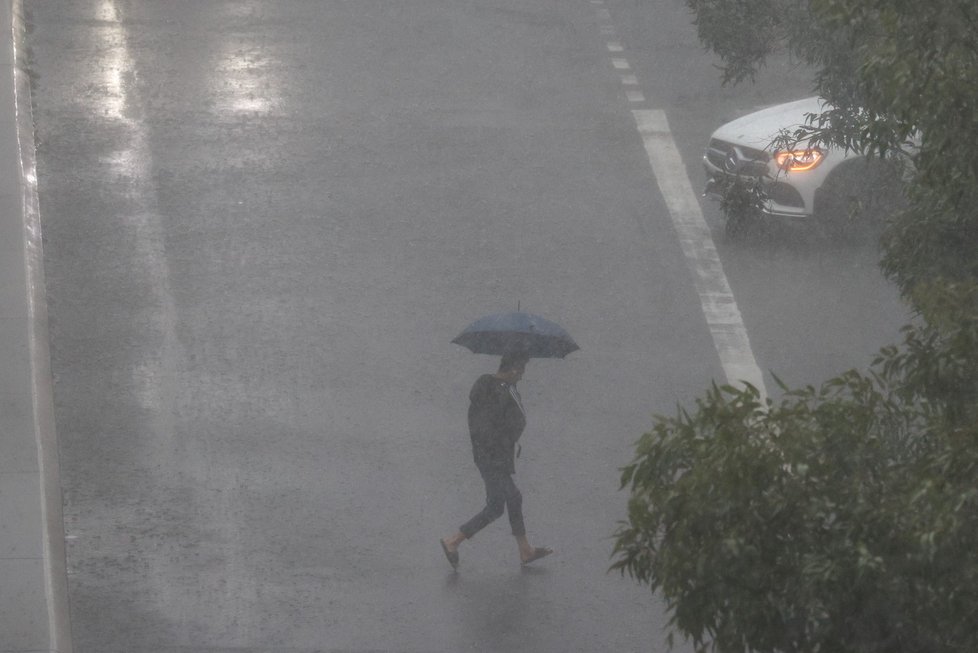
(900, 76)
(837, 519)
(741, 201)
(842, 518)
(918, 79)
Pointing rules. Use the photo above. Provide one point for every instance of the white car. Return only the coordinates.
(798, 183)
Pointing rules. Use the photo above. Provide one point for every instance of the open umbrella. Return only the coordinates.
(503, 333)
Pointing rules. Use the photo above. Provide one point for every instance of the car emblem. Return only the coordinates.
(731, 163)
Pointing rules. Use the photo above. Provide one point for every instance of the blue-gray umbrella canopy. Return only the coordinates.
(503, 333)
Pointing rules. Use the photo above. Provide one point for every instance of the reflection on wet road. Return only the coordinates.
(265, 222)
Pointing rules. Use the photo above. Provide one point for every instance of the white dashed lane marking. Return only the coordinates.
(720, 309)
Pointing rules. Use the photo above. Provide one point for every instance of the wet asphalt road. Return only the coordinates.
(264, 223)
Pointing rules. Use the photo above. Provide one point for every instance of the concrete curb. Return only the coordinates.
(33, 593)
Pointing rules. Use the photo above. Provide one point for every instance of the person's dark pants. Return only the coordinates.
(501, 495)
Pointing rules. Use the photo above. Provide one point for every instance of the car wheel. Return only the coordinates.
(857, 199)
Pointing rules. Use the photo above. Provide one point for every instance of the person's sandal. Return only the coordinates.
(451, 555)
(538, 552)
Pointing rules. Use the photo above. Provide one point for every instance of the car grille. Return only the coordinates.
(737, 159)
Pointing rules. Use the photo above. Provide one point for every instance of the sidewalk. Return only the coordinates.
(33, 577)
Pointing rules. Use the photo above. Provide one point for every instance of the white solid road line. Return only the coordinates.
(716, 298)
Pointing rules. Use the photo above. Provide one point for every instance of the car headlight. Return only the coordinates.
(798, 160)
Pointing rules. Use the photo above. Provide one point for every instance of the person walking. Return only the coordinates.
(496, 422)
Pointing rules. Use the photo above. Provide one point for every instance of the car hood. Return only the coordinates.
(758, 129)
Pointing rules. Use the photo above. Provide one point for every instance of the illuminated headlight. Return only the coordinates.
(798, 160)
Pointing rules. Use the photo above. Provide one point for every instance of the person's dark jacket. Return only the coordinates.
(496, 422)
